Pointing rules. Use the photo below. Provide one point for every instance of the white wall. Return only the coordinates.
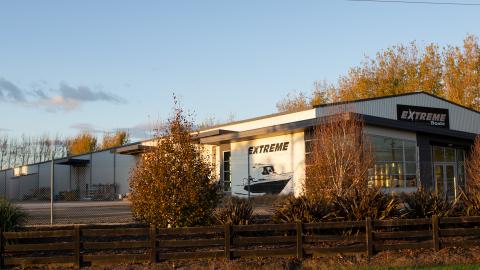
(102, 168)
(288, 162)
(123, 168)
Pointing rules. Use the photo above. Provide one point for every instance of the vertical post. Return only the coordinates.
(435, 233)
(153, 244)
(77, 246)
(52, 173)
(228, 241)
(369, 236)
(299, 229)
(248, 172)
(2, 249)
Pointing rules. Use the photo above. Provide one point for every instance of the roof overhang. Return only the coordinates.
(298, 126)
(132, 149)
(73, 162)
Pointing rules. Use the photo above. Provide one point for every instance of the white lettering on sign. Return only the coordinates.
(435, 119)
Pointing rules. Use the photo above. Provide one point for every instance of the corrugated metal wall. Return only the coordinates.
(461, 119)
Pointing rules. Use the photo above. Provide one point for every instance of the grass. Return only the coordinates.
(437, 267)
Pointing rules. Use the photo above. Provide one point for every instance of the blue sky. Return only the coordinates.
(105, 65)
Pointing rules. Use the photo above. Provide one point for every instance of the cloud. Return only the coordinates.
(10, 92)
(85, 127)
(5, 130)
(63, 98)
(83, 93)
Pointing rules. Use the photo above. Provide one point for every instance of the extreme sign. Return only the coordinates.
(267, 148)
(423, 115)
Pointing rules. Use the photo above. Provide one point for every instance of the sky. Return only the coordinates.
(67, 66)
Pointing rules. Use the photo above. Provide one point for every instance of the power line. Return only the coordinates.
(418, 2)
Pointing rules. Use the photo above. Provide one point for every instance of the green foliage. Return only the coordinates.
(302, 209)
(423, 203)
(173, 184)
(236, 211)
(11, 216)
(360, 203)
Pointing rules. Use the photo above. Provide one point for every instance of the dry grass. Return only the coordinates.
(405, 259)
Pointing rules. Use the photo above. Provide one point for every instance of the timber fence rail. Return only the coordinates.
(83, 245)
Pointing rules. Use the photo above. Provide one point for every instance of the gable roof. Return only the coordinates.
(393, 96)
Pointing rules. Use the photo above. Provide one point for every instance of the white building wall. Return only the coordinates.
(102, 168)
(288, 163)
(275, 119)
(124, 165)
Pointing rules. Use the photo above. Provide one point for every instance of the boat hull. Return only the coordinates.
(267, 187)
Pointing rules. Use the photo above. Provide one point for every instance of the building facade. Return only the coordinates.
(418, 140)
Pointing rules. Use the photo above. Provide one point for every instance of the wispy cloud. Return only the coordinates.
(63, 98)
(85, 127)
(9, 92)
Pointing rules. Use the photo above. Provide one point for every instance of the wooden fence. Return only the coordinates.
(101, 244)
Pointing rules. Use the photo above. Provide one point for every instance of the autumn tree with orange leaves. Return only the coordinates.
(81, 144)
(119, 138)
(173, 184)
(452, 72)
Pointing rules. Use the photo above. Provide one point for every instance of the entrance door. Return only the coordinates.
(445, 179)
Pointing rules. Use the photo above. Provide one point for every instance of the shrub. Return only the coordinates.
(11, 216)
(173, 184)
(302, 209)
(360, 203)
(340, 159)
(423, 203)
(236, 211)
(472, 164)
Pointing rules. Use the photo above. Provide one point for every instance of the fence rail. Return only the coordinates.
(81, 245)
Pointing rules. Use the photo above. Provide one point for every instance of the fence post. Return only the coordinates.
(369, 236)
(228, 241)
(2, 249)
(435, 232)
(153, 243)
(299, 227)
(77, 246)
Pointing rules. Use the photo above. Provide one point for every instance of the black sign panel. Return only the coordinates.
(423, 115)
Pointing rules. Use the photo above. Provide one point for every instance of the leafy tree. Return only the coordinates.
(82, 143)
(451, 72)
(118, 139)
(173, 184)
(293, 102)
(462, 73)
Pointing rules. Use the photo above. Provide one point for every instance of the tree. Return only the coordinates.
(173, 184)
(118, 139)
(81, 144)
(472, 165)
(396, 70)
(451, 72)
(462, 73)
(340, 157)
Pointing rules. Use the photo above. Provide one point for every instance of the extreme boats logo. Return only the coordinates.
(424, 115)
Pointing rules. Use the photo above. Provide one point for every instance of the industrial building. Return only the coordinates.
(419, 140)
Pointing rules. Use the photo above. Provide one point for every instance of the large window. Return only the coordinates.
(227, 181)
(395, 163)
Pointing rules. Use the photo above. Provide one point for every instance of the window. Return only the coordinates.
(395, 163)
(227, 181)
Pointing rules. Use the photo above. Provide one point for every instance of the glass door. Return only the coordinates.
(448, 170)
